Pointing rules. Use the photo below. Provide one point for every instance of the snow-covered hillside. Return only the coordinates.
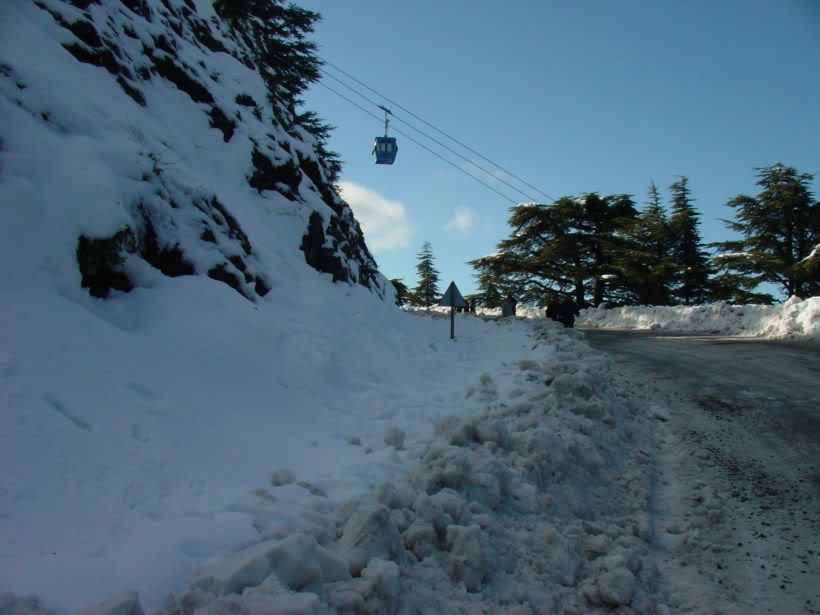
(141, 161)
(795, 318)
(137, 139)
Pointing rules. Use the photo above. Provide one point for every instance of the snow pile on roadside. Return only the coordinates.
(138, 430)
(539, 503)
(796, 318)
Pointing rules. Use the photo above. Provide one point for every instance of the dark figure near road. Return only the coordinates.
(552, 311)
(569, 312)
(563, 312)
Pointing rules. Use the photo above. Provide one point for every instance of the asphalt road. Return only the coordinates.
(750, 409)
(777, 380)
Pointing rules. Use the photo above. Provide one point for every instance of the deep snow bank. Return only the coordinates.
(795, 318)
(538, 503)
(141, 434)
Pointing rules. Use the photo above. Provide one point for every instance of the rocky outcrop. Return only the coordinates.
(155, 51)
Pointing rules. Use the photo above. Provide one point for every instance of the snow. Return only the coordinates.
(143, 434)
(139, 431)
(537, 496)
(796, 318)
(814, 254)
(183, 447)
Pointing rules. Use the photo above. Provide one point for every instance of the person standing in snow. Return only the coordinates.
(553, 310)
(568, 310)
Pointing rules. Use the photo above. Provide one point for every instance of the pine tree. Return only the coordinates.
(690, 261)
(491, 297)
(426, 293)
(488, 282)
(646, 260)
(780, 231)
(567, 248)
(603, 238)
(276, 33)
(540, 253)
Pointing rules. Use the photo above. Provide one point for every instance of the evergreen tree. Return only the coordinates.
(569, 247)
(491, 298)
(603, 225)
(276, 32)
(539, 253)
(330, 161)
(426, 292)
(488, 282)
(646, 262)
(780, 231)
(691, 274)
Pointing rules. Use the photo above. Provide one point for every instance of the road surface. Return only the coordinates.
(743, 420)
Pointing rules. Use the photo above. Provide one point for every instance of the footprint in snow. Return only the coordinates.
(6, 365)
(150, 400)
(139, 434)
(60, 408)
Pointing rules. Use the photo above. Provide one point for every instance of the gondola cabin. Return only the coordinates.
(385, 150)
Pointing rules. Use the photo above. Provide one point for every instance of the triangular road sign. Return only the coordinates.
(452, 297)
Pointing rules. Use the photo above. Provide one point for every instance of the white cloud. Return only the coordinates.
(463, 220)
(383, 221)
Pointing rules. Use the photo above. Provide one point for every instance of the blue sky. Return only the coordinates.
(574, 97)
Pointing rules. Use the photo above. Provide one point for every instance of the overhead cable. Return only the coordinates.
(420, 144)
(467, 147)
(433, 139)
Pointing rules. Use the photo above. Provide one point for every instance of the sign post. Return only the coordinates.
(452, 298)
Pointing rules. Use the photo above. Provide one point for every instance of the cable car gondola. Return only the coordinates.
(385, 148)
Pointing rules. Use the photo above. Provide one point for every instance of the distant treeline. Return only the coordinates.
(604, 250)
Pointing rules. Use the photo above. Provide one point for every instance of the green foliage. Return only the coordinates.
(277, 34)
(570, 247)
(646, 262)
(101, 262)
(600, 249)
(488, 282)
(780, 229)
(691, 268)
(737, 289)
(331, 161)
(426, 293)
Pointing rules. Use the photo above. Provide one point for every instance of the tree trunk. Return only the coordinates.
(598, 294)
(579, 293)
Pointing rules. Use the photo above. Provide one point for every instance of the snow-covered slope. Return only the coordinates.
(795, 318)
(136, 139)
(141, 161)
